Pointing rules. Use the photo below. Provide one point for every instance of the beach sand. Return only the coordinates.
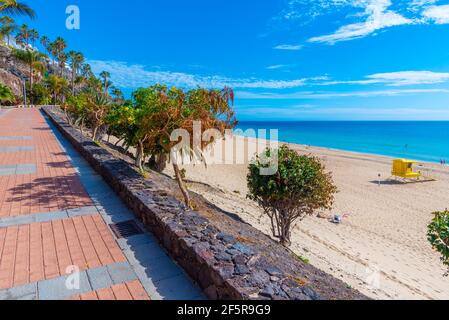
(381, 247)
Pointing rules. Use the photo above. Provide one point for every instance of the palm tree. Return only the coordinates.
(118, 95)
(86, 71)
(26, 36)
(34, 59)
(62, 58)
(57, 50)
(57, 86)
(8, 27)
(6, 94)
(106, 83)
(76, 59)
(16, 8)
(45, 41)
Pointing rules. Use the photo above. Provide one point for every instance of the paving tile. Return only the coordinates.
(99, 278)
(135, 241)
(25, 292)
(121, 272)
(15, 149)
(46, 217)
(179, 288)
(83, 211)
(12, 138)
(57, 289)
(7, 222)
(159, 269)
(25, 169)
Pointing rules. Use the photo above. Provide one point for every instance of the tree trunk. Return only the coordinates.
(139, 156)
(31, 83)
(94, 133)
(182, 186)
(158, 162)
(118, 141)
(73, 82)
(285, 233)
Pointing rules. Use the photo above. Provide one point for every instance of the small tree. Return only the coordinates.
(6, 94)
(439, 236)
(98, 107)
(298, 188)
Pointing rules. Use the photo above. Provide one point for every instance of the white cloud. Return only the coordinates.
(288, 47)
(276, 66)
(402, 78)
(371, 16)
(133, 76)
(410, 77)
(438, 14)
(327, 95)
(378, 17)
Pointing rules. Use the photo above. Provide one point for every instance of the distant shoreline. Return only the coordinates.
(422, 141)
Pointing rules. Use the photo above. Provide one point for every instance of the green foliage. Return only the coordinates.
(7, 27)
(439, 235)
(301, 258)
(97, 109)
(6, 94)
(39, 94)
(14, 7)
(57, 86)
(298, 188)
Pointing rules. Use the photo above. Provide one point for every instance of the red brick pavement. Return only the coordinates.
(41, 251)
(55, 185)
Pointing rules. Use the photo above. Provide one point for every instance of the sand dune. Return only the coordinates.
(380, 248)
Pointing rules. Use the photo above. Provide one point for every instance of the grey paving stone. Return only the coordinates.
(116, 218)
(7, 171)
(15, 149)
(55, 215)
(135, 241)
(121, 272)
(26, 168)
(144, 255)
(47, 216)
(179, 288)
(17, 169)
(7, 222)
(84, 211)
(113, 207)
(12, 138)
(25, 292)
(56, 289)
(99, 278)
(159, 269)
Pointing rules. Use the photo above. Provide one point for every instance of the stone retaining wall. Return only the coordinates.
(225, 266)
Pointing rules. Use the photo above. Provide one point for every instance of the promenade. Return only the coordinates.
(64, 234)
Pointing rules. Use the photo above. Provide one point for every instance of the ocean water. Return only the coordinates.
(416, 140)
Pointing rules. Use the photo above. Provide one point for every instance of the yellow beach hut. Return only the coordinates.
(404, 169)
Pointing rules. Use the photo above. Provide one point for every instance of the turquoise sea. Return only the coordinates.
(417, 140)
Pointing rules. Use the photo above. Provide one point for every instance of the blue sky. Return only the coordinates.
(285, 59)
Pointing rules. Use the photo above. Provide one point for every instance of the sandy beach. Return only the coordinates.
(381, 246)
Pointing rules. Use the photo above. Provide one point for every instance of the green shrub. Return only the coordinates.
(298, 188)
(38, 94)
(6, 95)
(439, 235)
